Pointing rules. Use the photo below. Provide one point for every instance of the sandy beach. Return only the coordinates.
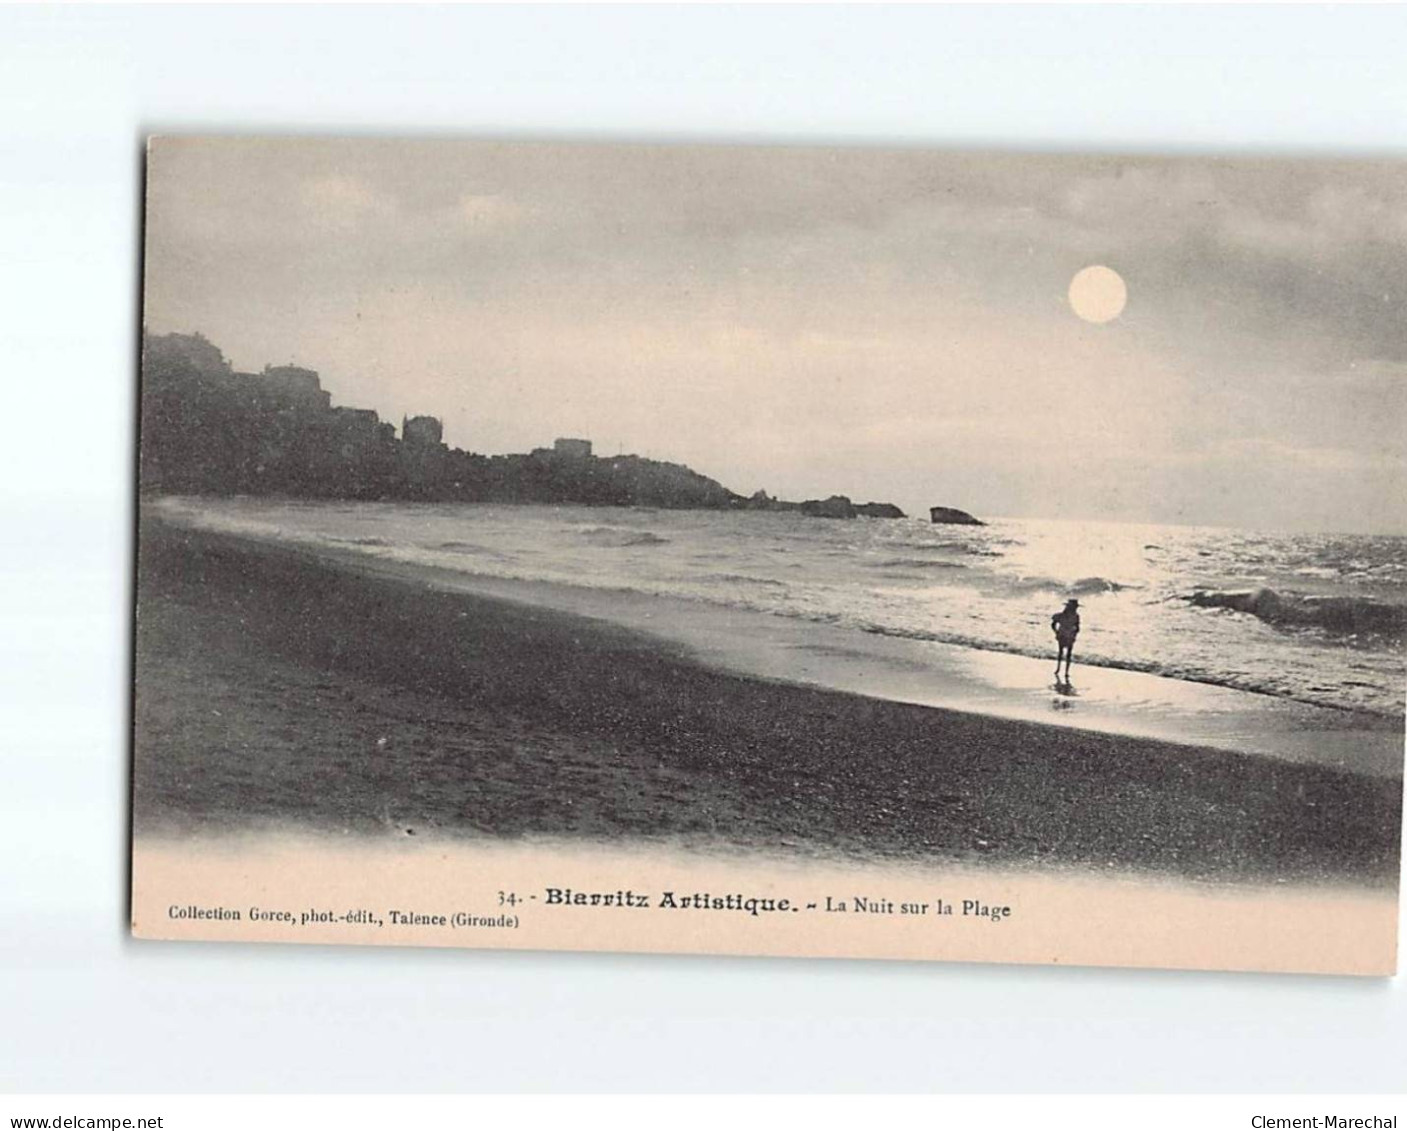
(279, 688)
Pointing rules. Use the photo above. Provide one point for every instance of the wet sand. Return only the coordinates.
(929, 673)
(282, 688)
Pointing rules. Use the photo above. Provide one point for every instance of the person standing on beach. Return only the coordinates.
(1066, 626)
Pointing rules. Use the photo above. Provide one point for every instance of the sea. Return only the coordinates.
(1317, 618)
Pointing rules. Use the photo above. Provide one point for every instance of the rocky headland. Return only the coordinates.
(207, 429)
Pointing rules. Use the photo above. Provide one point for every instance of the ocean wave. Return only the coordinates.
(1082, 587)
(466, 548)
(972, 549)
(918, 563)
(1330, 697)
(359, 541)
(615, 537)
(747, 579)
(1088, 586)
(1349, 615)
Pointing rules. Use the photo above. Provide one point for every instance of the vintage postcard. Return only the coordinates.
(842, 552)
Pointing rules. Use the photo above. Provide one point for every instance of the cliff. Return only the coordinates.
(207, 429)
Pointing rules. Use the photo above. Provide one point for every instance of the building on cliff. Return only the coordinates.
(572, 449)
(426, 431)
(422, 455)
(291, 386)
(357, 431)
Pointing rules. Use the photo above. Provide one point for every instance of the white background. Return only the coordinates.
(84, 1008)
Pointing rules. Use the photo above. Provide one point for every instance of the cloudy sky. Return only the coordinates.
(886, 324)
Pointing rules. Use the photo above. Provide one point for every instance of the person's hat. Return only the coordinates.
(1072, 604)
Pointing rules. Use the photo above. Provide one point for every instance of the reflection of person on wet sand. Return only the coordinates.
(1066, 626)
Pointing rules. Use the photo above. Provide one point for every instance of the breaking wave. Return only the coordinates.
(1088, 586)
(1347, 615)
(1083, 587)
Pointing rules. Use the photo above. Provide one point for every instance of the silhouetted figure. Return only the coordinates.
(1066, 626)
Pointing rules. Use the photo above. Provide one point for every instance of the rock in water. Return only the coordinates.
(953, 516)
(837, 506)
(879, 510)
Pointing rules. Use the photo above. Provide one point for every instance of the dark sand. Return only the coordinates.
(274, 687)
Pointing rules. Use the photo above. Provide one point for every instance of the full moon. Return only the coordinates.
(1098, 294)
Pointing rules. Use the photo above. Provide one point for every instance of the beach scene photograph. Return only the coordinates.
(838, 552)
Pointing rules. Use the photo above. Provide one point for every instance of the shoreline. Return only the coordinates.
(1117, 701)
(275, 683)
(946, 653)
